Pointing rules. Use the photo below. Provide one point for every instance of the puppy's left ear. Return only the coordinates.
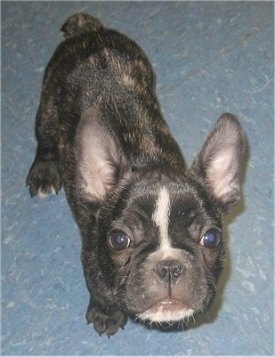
(218, 166)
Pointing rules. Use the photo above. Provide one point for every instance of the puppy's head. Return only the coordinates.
(160, 243)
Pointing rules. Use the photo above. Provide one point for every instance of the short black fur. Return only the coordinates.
(101, 135)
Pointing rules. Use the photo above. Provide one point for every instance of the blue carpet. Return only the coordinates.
(209, 57)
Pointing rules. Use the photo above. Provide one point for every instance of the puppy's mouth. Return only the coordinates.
(167, 310)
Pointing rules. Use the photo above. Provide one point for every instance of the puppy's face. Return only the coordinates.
(163, 251)
(159, 232)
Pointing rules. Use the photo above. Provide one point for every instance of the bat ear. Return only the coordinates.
(218, 165)
(96, 157)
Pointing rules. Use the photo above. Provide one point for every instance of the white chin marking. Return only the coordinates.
(160, 314)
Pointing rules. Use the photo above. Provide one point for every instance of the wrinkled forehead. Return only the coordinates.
(161, 207)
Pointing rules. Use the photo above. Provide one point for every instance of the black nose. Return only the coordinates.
(169, 269)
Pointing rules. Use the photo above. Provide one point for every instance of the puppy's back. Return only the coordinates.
(80, 23)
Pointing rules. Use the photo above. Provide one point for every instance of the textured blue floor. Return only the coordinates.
(209, 57)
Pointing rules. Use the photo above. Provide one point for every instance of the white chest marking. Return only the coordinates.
(161, 217)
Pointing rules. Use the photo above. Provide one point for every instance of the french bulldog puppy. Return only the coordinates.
(151, 229)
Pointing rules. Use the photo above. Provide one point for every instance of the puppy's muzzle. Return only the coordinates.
(168, 306)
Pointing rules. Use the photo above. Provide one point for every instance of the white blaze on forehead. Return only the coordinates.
(161, 217)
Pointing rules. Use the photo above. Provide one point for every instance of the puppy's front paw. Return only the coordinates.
(105, 321)
(43, 178)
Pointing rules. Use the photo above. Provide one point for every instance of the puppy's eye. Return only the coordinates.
(119, 240)
(211, 238)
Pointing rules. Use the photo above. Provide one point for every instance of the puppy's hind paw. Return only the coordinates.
(43, 178)
(106, 322)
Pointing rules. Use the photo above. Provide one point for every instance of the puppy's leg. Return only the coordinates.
(105, 320)
(105, 316)
(44, 176)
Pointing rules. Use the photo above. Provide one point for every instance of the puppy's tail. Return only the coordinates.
(80, 23)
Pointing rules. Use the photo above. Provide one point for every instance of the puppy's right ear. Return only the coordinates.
(218, 166)
(96, 158)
